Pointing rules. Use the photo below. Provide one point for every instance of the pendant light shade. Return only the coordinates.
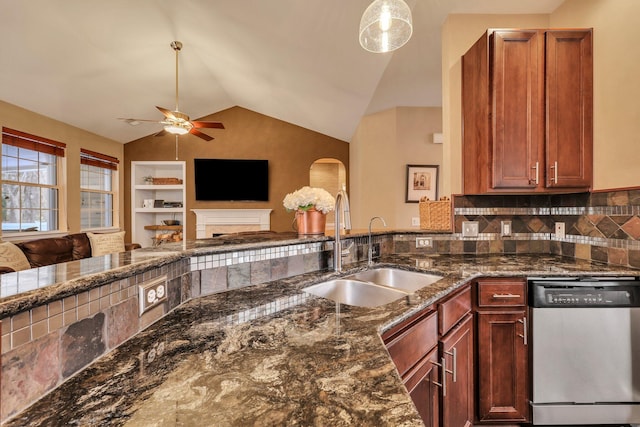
(385, 26)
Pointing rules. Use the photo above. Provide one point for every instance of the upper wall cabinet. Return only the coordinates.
(527, 112)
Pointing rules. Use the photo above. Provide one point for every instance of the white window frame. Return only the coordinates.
(96, 160)
(59, 186)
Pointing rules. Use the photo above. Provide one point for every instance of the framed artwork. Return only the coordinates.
(422, 180)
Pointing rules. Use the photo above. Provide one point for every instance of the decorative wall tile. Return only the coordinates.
(28, 373)
(82, 343)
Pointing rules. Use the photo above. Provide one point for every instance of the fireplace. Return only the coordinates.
(223, 221)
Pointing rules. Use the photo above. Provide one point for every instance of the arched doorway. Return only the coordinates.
(331, 175)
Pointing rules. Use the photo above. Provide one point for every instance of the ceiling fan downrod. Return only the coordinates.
(176, 46)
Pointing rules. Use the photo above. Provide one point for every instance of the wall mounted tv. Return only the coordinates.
(232, 179)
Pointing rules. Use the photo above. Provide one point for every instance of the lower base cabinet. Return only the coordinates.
(422, 384)
(433, 352)
(502, 351)
(456, 349)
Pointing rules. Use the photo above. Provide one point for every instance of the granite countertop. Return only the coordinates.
(271, 354)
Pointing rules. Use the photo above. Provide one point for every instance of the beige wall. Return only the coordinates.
(616, 91)
(290, 149)
(382, 147)
(18, 118)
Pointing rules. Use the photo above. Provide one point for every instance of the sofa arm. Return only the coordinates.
(4, 270)
(131, 246)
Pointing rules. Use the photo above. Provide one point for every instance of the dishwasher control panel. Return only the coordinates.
(582, 293)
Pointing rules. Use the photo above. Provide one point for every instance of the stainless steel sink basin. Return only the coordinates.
(354, 292)
(395, 278)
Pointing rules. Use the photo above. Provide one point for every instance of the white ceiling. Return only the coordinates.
(87, 62)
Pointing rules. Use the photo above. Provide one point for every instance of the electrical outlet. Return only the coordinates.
(560, 229)
(470, 228)
(152, 293)
(424, 242)
(505, 227)
(415, 221)
(375, 250)
(424, 263)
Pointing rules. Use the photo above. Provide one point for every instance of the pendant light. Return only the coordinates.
(385, 26)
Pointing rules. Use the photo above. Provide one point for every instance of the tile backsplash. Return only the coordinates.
(600, 226)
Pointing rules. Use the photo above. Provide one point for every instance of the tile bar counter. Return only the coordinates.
(269, 353)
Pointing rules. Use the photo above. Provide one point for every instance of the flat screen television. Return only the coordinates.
(232, 179)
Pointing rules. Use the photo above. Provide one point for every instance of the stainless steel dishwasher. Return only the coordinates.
(585, 350)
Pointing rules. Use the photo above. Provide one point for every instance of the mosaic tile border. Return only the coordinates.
(202, 262)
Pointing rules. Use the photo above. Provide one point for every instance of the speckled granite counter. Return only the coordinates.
(270, 355)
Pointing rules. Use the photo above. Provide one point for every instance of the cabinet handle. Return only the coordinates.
(536, 167)
(524, 330)
(505, 296)
(454, 372)
(443, 384)
(554, 179)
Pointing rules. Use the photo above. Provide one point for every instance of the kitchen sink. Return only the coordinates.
(409, 281)
(355, 292)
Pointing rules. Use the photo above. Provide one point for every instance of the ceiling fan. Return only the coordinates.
(177, 122)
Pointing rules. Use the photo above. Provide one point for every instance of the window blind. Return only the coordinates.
(92, 158)
(20, 139)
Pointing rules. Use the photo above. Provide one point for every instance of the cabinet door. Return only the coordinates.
(517, 102)
(457, 397)
(569, 101)
(422, 385)
(502, 366)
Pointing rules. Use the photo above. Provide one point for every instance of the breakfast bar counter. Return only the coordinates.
(271, 354)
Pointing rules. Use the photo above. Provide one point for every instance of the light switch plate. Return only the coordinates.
(470, 229)
(415, 221)
(505, 228)
(559, 229)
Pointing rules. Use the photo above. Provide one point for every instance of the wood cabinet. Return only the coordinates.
(527, 112)
(456, 356)
(412, 346)
(433, 352)
(502, 350)
(157, 194)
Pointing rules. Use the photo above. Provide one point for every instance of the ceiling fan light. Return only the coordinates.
(385, 26)
(176, 129)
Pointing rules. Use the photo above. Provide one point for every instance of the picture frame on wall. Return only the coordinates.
(422, 181)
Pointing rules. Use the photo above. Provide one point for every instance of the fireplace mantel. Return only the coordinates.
(221, 221)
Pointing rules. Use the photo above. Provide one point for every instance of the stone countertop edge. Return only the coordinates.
(272, 356)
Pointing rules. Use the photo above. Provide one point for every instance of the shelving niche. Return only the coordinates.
(146, 219)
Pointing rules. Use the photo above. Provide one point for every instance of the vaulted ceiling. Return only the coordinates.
(86, 63)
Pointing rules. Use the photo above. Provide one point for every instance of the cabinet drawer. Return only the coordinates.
(408, 344)
(502, 293)
(451, 311)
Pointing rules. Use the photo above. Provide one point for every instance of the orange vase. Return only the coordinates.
(310, 222)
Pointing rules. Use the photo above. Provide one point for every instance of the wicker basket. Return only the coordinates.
(166, 181)
(435, 215)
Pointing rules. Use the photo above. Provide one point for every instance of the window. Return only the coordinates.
(30, 182)
(98, 174)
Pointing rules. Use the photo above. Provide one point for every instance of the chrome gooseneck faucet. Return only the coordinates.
(370, 258)
(341, 207)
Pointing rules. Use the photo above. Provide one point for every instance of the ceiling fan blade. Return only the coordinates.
(161, 133)
(167, 113)
(199, 134)
(130, 120)
(213, 125)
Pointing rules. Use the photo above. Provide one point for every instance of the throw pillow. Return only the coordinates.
(107, 243)
(11, 256)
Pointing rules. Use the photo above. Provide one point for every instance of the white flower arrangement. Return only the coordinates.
(309, 197)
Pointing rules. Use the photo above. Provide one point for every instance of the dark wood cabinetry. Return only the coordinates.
(433, 352)
(527, 107)
(457, 352)
(502, 350)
